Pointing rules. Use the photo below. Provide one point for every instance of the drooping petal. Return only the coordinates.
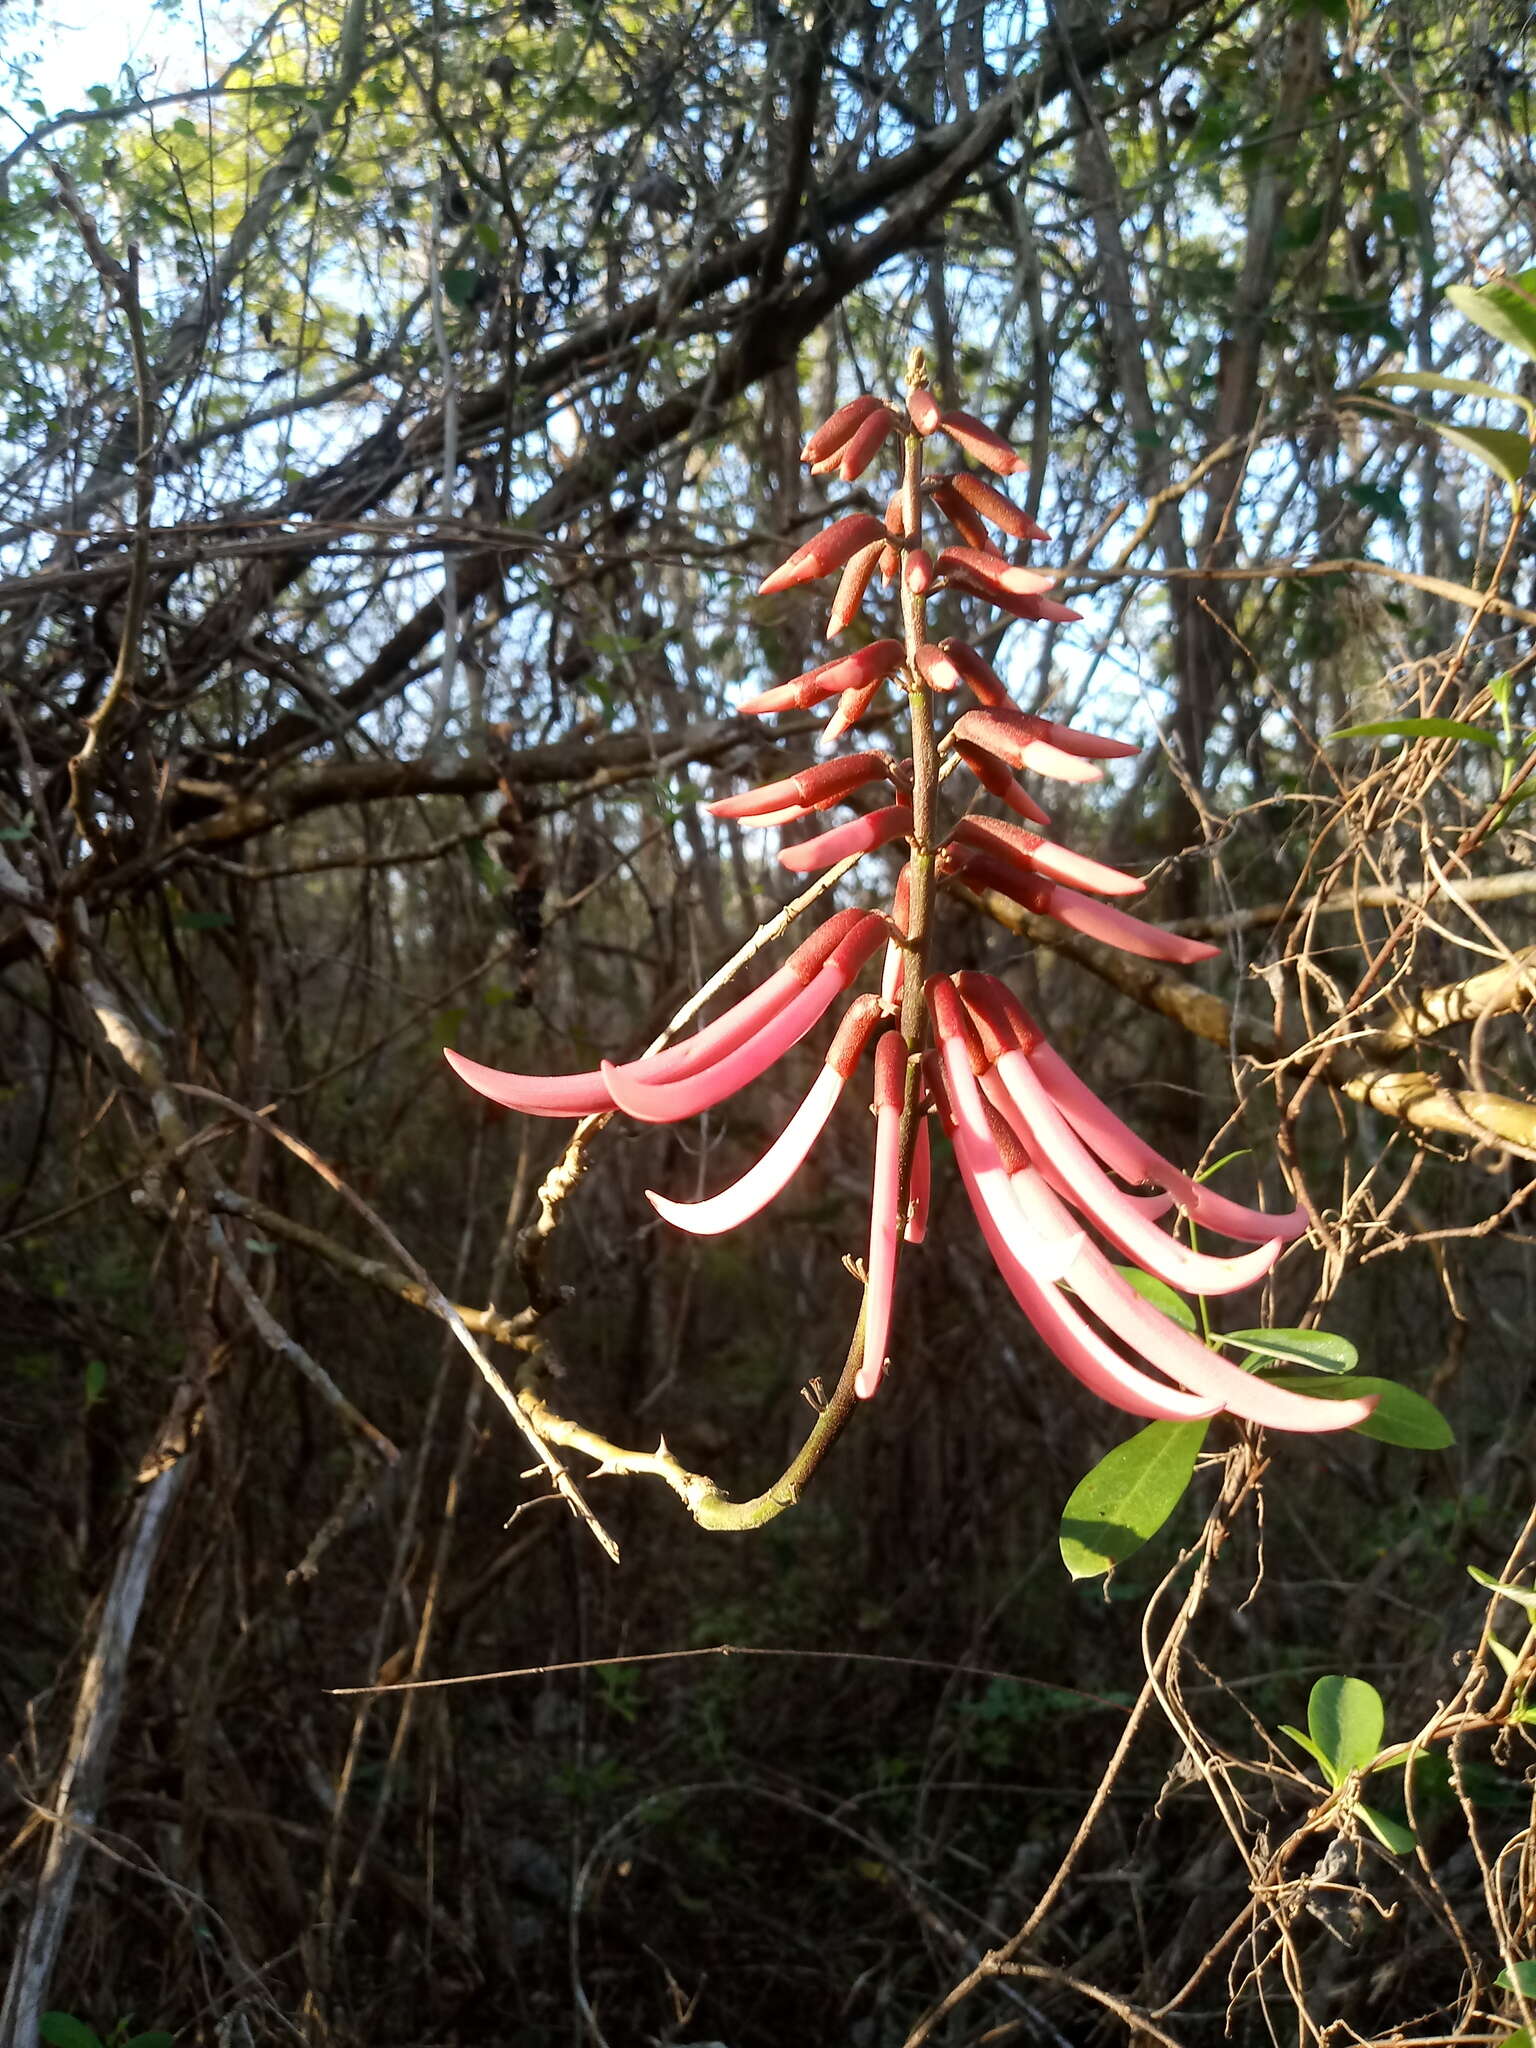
(1014, 1088)
(884, 1212)
(534, 1094)
(980, 442)
(863, 835)
(1080, 913)
(851, 707)
(1129, 1155)
(824, 552)
(669, 1101)
(918, 573)
(995, 572)
(961, 516)
(1080, 1349)
(1019, 741)
(759, 1185)
(1047, 1255)
(1011, 842)
(1161, 1341)
(982, 497)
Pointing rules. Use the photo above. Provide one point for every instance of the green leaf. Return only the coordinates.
(1523, 1596)
(188, 130)
(1128, 1496)
(95, 1380)
(1417, 729)
(155, 2039)
(1520, 2038)
(1305, 1742)
(1400, 1416)
(202, 920)
(1500, 449)
(1521, 1977)
(1508, 1661)
(63, 2030)
(1505, 309)
(1345, 1719)
(339, 183)
(1160, 1294)
(1464, 387)
(459, 286)
(1392, 1835)
(1318, 1348)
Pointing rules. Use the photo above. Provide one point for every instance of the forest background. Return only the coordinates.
(400, 405)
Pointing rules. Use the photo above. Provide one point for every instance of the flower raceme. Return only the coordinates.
(1048, 1168)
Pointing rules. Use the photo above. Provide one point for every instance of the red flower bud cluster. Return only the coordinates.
(1041, 1158)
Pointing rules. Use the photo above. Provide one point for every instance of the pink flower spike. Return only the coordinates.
(995, 779)
(884, 1212)
(761, 1183)
(875, 828)
(1010, 842)
(670, 1101)
(1018, 740)
(920, 1194)
(893, 974)
(534, 1094)
(1135, 1160)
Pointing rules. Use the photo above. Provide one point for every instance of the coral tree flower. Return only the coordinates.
(1050, 1172)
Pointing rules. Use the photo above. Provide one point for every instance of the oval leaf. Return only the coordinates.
(1417, 729)
(1522, 1974)
(1345, 1720)
(1128, 1496)
(1317, 1348)
(1523, 1596)
(1506, 309)
(1400, 1416)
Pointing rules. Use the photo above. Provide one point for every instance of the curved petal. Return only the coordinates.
(863, 835)
(1081, 1350)
(1173, 1350)
(1051, 1140)
(1117, 928)
(534, 1094)
(1134, 1159)
(758, 1186)
(884, 1213)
